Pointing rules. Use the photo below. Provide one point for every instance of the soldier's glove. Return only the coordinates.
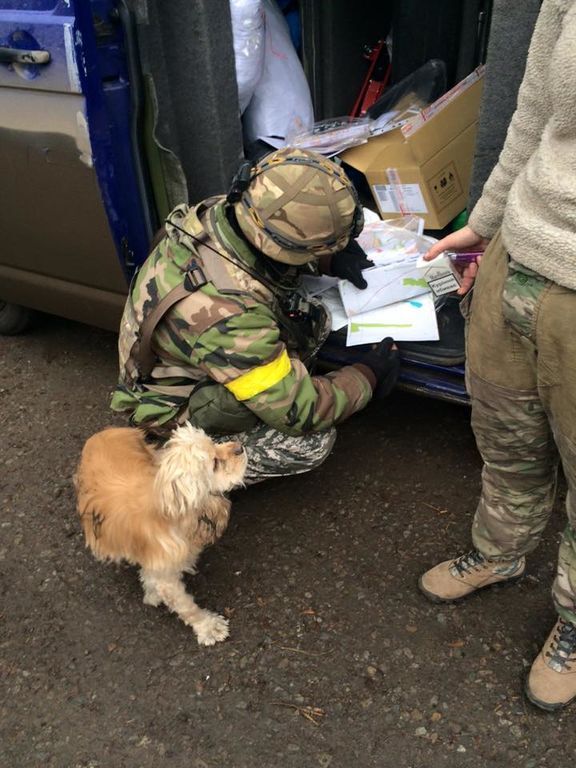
(349, 263)
(384, 362)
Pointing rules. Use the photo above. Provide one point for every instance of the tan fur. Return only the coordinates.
(159, 508)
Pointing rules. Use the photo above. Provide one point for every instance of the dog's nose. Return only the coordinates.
(238, 449)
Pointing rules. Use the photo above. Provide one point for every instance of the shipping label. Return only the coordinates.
(400, 198)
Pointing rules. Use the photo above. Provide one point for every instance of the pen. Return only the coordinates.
(465, 257)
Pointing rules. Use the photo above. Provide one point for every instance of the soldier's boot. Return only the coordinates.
(455, 579)
(551, 683)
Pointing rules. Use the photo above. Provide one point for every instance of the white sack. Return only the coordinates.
(248, 32)
(281, 101)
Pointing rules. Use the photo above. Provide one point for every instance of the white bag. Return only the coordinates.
(248, 31)
(281, 101)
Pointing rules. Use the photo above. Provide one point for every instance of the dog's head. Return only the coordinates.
(192, 468)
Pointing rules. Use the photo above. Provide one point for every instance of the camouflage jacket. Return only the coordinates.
(224, 359)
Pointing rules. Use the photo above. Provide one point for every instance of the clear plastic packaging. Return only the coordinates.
(408, 97)
(329, 137)
(385, 243)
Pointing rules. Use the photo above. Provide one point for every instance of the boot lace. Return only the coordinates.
(563, 646)
(472, 560)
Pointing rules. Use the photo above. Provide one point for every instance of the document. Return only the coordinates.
(413, 320)
(386, 285)
(333, 303)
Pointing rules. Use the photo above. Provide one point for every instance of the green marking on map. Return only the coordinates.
(355, 327)
(416, 282)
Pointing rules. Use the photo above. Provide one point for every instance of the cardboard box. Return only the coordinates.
(424, 166)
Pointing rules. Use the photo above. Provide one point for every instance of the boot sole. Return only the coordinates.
(437, 599)
(547, 707)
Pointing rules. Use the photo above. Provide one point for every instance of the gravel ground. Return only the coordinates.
(335, 659)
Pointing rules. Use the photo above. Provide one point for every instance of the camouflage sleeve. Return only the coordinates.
(246, 355)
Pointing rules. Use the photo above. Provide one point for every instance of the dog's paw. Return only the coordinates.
(152, 598)
(211, 629)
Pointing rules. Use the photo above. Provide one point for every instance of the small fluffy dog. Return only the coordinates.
(158, 508)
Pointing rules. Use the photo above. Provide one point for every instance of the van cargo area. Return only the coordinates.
(136, 109)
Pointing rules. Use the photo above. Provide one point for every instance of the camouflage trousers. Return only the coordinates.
(273, 454)
(521, 375)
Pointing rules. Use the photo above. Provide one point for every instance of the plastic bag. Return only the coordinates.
(248, 32)
(386, 243)
(329, 137)
(281, 101)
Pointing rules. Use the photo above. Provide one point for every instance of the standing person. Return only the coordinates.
(215, 331)
(521, 348)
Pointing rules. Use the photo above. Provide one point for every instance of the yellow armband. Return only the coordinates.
(260, 379)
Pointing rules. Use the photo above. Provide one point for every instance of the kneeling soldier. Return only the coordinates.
(215, 332)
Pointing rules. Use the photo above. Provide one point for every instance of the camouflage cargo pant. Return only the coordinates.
(274, 454)
(521, 375)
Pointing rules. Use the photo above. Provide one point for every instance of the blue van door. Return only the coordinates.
(74, 216)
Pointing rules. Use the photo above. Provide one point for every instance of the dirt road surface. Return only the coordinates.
(335, 659)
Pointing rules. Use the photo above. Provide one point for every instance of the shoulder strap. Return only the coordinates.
(144, 355)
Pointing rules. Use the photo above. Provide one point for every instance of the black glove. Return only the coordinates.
(349, 263)
(384, 362)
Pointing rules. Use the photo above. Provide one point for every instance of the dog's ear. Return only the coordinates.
(179, 489)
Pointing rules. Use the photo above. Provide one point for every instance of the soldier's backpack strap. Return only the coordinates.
(213, 262)
(143, 355)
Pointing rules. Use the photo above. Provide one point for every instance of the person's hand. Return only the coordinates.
(383, 359)
(349, 263)
(464, 239)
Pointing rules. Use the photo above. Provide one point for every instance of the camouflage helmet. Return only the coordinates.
(297, 205)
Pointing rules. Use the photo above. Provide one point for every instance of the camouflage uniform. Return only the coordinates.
(521, 368)
(227, 358)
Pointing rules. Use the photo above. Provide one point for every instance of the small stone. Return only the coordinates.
(461, 748)
(371, 671)
(421, 731)
(436, 716)
(324, 759)
(516, 731)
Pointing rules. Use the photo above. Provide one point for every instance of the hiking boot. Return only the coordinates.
(454, 579)
(551, 683)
